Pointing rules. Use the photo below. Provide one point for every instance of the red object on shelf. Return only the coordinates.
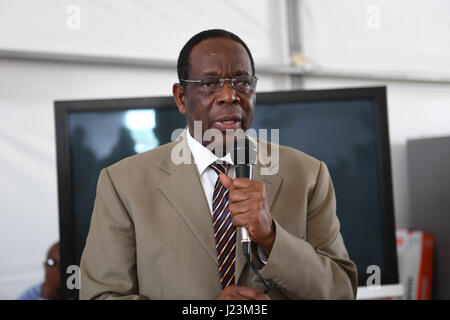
(415, 261)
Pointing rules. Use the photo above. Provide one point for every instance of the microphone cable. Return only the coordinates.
(244, 156)
(246, 251)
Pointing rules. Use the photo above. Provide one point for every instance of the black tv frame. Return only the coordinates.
(66, 216)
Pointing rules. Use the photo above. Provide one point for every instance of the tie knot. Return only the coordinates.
(219, 167)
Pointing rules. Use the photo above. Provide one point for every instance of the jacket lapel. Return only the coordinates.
(184, 190)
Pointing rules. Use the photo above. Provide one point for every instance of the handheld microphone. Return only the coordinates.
(244, 157)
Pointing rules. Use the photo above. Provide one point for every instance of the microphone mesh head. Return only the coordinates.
(244, 152)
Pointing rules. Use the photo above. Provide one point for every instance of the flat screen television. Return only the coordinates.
(345, 128)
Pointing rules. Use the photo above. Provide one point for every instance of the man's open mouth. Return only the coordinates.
(225, 123)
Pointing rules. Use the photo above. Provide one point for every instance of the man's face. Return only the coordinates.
(223, 109)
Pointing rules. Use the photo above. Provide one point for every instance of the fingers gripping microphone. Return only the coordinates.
(244, 157)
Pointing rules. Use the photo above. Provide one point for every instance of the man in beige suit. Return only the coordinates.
(152, 233)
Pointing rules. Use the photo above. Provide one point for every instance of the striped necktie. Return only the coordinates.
(224, 232)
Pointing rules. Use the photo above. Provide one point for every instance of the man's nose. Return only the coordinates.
(227, 94)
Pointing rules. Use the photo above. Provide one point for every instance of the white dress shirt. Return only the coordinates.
(203, 157)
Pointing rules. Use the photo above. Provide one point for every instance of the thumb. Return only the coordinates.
(226, 180)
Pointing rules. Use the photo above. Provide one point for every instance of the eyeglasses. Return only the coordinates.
(243, 84)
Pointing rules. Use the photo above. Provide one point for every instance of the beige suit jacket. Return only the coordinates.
(151, 233)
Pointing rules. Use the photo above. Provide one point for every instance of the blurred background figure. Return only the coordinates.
(50, 288)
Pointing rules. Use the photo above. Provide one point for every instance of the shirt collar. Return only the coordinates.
(203, 157)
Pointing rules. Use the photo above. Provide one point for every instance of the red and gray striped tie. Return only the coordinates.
(224, 232)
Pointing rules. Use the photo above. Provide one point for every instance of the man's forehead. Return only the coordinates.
(213, 45)
(213, 66)
(217, 53)
(54, 250)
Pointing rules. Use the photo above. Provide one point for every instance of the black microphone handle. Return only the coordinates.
(244, 171)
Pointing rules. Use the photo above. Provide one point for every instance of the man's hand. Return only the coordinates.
(248, 207)
(233, 292)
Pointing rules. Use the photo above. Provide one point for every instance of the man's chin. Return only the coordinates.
(221, 141)
(220, 147)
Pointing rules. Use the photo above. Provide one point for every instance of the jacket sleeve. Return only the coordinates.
(318, 266)
(108, 262)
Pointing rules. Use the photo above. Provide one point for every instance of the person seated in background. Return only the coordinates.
(50, 288)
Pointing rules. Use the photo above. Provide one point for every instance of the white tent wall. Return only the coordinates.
(139, 28)
(378, 36)
(39, 42)
(404, 44)
(123, 33)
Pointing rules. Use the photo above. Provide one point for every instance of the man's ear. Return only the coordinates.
(178, 95)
